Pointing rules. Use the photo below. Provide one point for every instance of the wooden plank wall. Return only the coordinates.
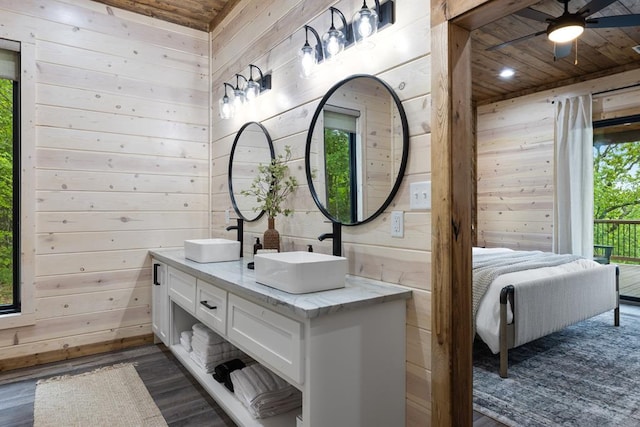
(515, 159)
(122, 165)
(269, 35)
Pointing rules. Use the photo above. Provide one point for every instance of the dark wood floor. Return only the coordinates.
(179, 397)
(182, 401)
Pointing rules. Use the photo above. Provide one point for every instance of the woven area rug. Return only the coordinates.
(109, 396)
(585, 375)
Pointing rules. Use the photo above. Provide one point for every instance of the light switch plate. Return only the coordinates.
(420, 193)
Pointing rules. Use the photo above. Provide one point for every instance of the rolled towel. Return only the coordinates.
(223, 370)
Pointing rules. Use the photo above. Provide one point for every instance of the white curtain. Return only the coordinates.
(573, 207)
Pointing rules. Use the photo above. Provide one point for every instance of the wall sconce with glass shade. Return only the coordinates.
(238, 93)
(255, 87)
(334, 41)
(366, 23)
(309, 56)
(225, 104)
(242, 94)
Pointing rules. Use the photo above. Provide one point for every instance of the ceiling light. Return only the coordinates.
(507, 73)
(566, 28)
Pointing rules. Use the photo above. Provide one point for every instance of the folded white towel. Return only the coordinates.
(208, 364)
(185, 344)
(264, 393)
(213, 349)
(205, 334)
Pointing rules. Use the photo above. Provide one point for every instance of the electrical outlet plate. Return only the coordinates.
(420, 193)
(397, 224)
(227, 216)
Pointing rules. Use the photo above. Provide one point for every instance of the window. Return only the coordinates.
(342, 160)
(616, 207)
(10, 295)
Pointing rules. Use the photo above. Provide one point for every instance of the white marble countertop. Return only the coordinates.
(235, 277)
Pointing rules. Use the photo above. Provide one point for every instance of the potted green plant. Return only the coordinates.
(271, 187)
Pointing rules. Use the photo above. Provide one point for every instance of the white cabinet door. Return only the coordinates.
(160, 301)
(272, 338)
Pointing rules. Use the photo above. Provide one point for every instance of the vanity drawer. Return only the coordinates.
(269, 336)
(182, 289)
(211, 306)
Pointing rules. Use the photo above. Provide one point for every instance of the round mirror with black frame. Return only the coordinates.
(357, 149)
(252, 147)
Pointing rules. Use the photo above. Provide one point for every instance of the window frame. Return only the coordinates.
(15, 306)
(27, 188)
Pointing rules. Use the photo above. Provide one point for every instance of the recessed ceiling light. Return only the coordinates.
(636, 48)
(507, 73)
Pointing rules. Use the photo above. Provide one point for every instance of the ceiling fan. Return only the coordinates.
(562, 30)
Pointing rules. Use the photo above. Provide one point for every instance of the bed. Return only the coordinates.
(520, 296)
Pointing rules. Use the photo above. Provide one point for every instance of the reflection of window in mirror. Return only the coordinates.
(343, 163)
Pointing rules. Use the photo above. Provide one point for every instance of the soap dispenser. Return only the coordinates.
(257, 246)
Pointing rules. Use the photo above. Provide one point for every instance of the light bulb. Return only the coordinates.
(333, 47)
(333, 41)
(238, 99)
(364, 28)
(252, 90)
(365, 25)
(226, 108)
(307, 61)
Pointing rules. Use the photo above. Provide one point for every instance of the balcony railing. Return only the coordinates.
(622, 235)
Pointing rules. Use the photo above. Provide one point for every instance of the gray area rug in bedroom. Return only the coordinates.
(585, 375)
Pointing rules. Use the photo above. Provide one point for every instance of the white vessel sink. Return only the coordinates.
(300, 272)
(212, 250)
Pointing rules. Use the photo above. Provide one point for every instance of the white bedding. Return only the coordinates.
(488, 315)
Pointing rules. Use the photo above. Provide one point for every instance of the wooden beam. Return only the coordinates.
(473, 14)
(226, 10)
(452, 142)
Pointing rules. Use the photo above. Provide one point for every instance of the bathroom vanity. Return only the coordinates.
(344, 349)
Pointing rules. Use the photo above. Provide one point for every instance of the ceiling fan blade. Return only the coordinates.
(536, 15)
(514, 41)
(594, 6)
(614, 21)
(560, 50)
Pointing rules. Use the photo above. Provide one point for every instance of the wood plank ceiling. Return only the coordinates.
(599, 51)
(199, 14)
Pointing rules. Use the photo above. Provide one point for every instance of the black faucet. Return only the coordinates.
(336, 236)
(240, 228)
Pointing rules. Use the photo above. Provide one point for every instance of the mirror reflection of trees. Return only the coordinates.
(6, 191)
(338, 174)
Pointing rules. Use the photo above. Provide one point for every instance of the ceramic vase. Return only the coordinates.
(271, 237)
